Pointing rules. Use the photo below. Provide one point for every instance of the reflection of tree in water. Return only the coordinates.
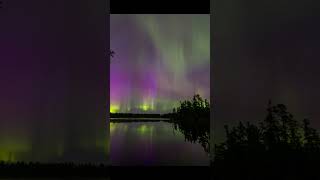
(192, 118)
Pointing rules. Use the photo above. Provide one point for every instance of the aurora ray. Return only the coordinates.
(159, 60)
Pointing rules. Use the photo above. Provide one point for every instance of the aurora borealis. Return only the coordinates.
(159, 60)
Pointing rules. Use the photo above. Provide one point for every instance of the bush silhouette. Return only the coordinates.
(280, 146)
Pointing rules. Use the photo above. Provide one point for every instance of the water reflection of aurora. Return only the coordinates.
(141, 129)
(152, 143)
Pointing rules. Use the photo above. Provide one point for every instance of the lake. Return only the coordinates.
(153, 143)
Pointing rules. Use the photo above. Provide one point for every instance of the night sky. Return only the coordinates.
(263, 50)
(159, 60)
(53, 78)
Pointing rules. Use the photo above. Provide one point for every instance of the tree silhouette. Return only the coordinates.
(311, 137)
(192, 118)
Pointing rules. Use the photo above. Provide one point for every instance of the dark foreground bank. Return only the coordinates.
(67, 170)
(24, 170)
(265, 168)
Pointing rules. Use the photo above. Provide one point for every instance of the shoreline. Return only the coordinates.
(132, 119)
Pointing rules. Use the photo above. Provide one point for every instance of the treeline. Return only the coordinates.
(279, 147)
(192, 118)
(132, 115)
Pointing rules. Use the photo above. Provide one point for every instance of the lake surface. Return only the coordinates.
(152, 144)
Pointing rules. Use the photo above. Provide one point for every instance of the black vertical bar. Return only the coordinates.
(108, 77)
(212, 17)
(160, 7)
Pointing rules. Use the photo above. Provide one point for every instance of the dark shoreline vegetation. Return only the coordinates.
(192, 118)
(279, 147)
